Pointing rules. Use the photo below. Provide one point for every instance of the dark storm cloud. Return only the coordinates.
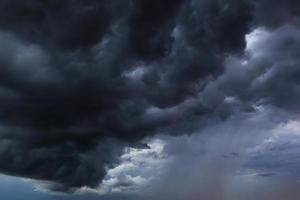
(151, 25)
(267, 74)
(205, 32)
(79, 80)
(67, 24)
(273, 14)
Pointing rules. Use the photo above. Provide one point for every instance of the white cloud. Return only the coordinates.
(136, 169)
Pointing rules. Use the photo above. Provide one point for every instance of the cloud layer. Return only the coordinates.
(81, 80)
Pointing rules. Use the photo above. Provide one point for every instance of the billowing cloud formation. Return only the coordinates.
(79, 80)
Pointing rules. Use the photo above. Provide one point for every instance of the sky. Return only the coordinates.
(149, 99)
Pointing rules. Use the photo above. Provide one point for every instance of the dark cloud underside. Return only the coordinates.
(79, 80)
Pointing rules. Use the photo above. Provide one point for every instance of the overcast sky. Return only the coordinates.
(150, 99)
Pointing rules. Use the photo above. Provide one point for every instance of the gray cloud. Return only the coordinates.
(81, 80)
(240, 158)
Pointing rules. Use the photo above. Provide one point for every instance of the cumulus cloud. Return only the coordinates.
(82, 81)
